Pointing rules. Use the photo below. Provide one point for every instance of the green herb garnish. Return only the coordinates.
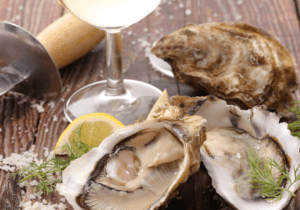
(262, 179)
(47, 168)
(295, 126)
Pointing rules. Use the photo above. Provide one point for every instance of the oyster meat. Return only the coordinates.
(234, 61)
(231, 133)
(137, 167)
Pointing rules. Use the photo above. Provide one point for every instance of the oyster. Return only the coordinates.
(234, 61)
(137, 167)
(231, 133)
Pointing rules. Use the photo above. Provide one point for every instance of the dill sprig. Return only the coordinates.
(262, 178)
(295, 126)
(44, 171)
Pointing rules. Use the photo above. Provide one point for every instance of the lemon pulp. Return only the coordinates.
(93, 129)
(92, 134)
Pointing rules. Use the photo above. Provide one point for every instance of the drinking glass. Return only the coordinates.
(126, 100)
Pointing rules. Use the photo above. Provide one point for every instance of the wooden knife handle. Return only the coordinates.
(69, 38)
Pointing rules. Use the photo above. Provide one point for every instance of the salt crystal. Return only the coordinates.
(46, 153)
(21, 7)
(28, 203)
(44, 202)
(31, 197)
(46, 130)
(238, 17)
(61, 206)
(51, 104)
(181, 5)
(188, 12)
(133, 42)
(239, 2)
(18, 17)
(34, 183)
(65, 119)
(171, 17)
(8, 9)
(129, 33)
(23, 184)
(145, 29)
(39, 107)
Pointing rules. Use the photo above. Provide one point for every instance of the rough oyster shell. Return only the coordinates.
(224, 157)
(233, 61)
(163, 152)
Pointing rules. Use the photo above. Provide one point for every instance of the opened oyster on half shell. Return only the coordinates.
(231, 134)
(239, 63)
(137, 167)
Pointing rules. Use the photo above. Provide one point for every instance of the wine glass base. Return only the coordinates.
(135, 103)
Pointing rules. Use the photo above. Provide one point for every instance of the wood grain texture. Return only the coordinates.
(22, 125)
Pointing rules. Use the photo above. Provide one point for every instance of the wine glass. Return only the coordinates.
(126, 100)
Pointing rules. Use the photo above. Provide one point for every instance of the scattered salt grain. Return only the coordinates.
(39, 107)
(238, 17)
(171, 17)
(238, 155)
(46, 130)
(61, 206)
(21, 7)
(23, 184)
(46, 153)
(239, 2)
(65, 119)
(34, 183)
(181, 5)
(188, 12)
(51, 104)
(31, 196)
(44, 202)
(129, 33)
(145, 29)
(133, 42)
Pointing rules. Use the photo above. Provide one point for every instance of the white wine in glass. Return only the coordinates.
(126, 100)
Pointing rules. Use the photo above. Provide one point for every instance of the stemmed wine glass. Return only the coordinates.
(126, 100)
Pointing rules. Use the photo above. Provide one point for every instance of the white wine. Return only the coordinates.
(110, 13)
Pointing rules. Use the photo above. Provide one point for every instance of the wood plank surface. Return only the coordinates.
(21, 125)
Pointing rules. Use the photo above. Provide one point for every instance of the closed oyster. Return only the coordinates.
(137, 167)
(234, 61)
(231, 133)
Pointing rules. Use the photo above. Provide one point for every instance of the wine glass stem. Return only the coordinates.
(115, 82)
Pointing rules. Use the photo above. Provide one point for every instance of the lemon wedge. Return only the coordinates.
(93, 128)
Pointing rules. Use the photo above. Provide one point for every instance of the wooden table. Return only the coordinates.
(22, 125)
